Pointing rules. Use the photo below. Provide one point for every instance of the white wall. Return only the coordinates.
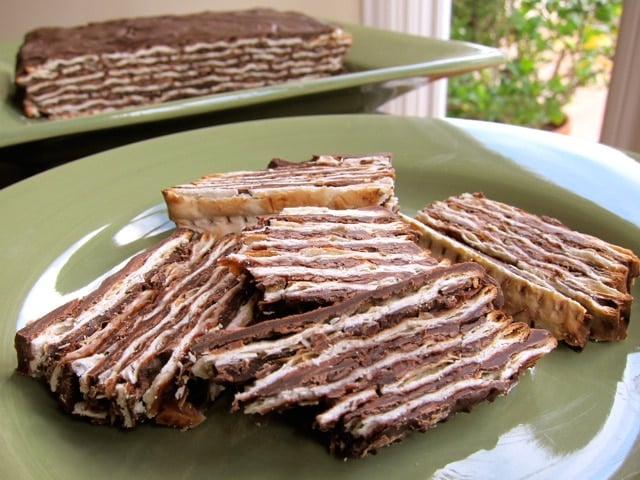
(19, 16)
(621, 122)
(431, 18)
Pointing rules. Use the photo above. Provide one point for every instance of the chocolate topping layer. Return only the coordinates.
(132, 34)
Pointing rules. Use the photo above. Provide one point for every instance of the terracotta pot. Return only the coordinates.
(564, 128)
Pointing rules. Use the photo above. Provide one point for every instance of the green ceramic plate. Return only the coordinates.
(381, 64)
(575, 414)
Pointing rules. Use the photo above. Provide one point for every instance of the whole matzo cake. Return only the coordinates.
(102, 66)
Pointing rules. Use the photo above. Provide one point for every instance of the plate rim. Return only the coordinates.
(23, 186)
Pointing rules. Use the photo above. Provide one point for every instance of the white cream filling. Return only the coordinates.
(406, 328)
(207, 362)
(57, 332)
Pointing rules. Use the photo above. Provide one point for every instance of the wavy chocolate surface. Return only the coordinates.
(574, 268)
(115, 354)
(131, 34)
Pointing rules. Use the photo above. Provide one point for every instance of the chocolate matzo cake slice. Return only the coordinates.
(121, 354)
(310, 256)
(226, 202)
(66, 72)
(573, 284)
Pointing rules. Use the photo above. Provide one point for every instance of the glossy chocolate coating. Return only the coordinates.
(131, 34)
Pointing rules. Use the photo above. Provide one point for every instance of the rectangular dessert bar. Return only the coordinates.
(573, 284)
(65, 72)
(120, 354)
(318, 256)
(220, 203)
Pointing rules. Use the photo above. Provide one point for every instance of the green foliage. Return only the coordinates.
(552, 47)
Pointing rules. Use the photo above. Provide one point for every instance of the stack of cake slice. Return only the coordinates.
(66, 72)
(428, 341)
(300, 285)
(120, 355)
(389, 341)
(573, 284)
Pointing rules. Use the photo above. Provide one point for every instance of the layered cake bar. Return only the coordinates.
(66, 72)
(120, 355)
(311, 256)
(226, 202)
(572, 284)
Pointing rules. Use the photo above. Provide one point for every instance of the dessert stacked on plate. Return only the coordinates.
(302, 286)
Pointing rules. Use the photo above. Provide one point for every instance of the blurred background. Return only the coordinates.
(18, 16)
(569, 64)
